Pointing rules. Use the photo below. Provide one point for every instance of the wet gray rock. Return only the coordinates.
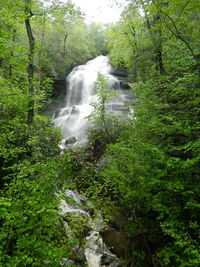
(117, 240)
(119, 72)
(71, 140)
(107, 260)
(117, 107)
(65, 112)
(74, 110)
(57, 113)
(124, 84)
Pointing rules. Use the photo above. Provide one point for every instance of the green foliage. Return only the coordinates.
(76, 42)
(101, 117)
(129, 44)
(146, 168)
(31, 231)
(30, 222)
(152, 173)
(32, 172)
(98, 36)
(153, 35)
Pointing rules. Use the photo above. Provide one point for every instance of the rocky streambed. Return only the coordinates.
(88, 229)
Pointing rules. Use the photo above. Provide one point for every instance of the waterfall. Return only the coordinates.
(80, 94)
(72, 119)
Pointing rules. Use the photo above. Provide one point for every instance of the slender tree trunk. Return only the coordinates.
(40, 56)
(64, 46)
(103, 119)
(12, 52)
(135, 48)
(159, 53)
(156, 37)
(31, 40)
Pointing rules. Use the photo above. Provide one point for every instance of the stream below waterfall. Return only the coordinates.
(95, 251)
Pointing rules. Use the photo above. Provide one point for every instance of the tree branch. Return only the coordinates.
(175, 31)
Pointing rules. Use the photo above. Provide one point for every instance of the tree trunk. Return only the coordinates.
(135, 47)
(158, 53)
(40, 56)
(30, 62)
(64, 46)
(156, 36)
(12, 52)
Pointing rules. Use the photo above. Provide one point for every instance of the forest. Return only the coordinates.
(141, 174)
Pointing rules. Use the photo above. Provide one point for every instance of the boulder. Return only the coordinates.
(109, 260)
(119, 72)
(71, 140)
(117, 241)
(56, 113)
(124, 84)
(74, 110)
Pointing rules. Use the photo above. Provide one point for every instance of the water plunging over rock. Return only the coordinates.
(81, 94)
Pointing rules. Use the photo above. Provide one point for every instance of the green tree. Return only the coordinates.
(101, 117)
(152, 171)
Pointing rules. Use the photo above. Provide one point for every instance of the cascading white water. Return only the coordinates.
(80, 95)
(73, 123)
(94, 248)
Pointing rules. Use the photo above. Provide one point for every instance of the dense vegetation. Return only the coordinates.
(145, 169)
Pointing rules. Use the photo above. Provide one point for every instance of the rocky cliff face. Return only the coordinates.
(122, 75)
(59, 88)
